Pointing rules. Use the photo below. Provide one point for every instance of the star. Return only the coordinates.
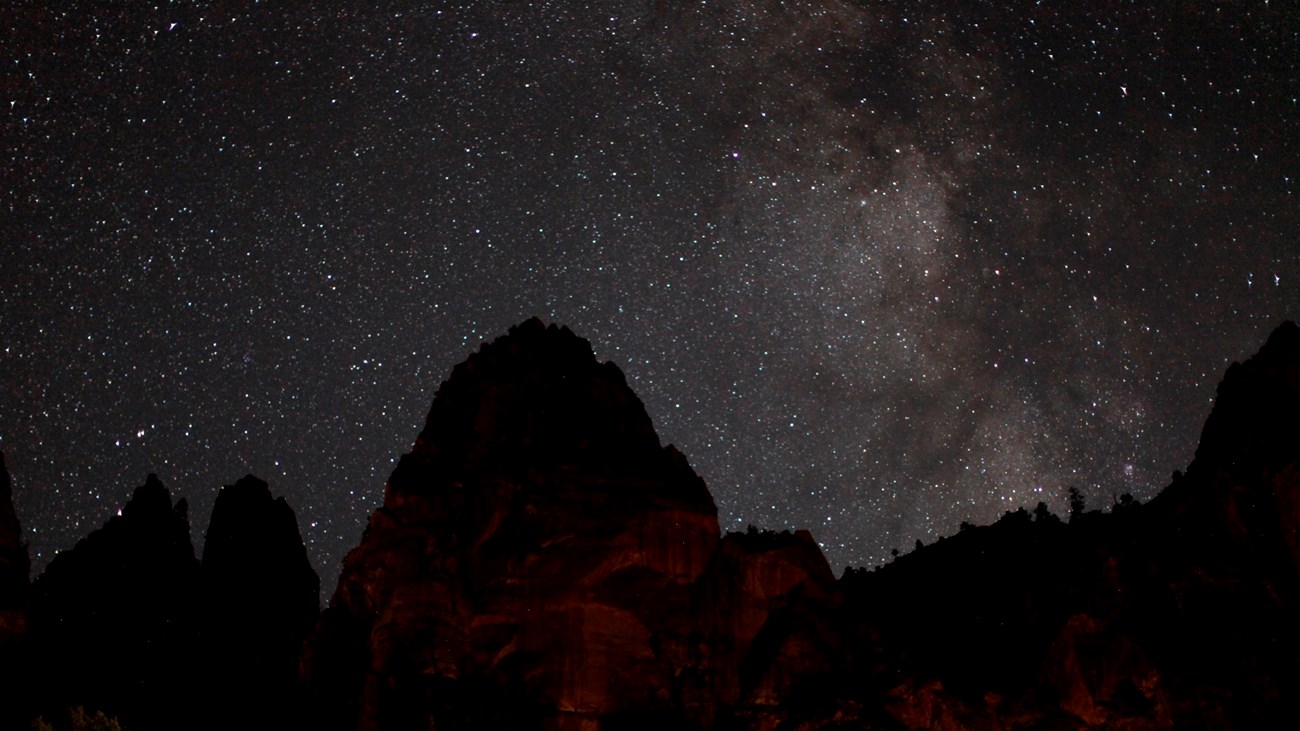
(827, 216)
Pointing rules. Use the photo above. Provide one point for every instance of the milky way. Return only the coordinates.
(876, 268)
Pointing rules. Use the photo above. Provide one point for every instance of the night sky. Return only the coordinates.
(876, 268)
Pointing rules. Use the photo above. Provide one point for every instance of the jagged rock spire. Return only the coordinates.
(112, 619)
(536, 395)
(259, 600)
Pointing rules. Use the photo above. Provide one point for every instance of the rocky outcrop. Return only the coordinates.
(1182, 613)
(1103, 678)
(540, 561)
(259, 599)
(767, 608)
(532, 561)
(1252, 427)
(112, 619)
(1221, 551)
(1243, 487)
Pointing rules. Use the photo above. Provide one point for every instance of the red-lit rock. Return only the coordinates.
(766, 608)
(540, 562)
(1103, 678)
(532, 559)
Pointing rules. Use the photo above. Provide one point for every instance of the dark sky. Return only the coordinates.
(877, 268)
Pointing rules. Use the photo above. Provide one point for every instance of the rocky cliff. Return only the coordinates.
(1181, 613)
(527, 549)
(767, 610)
(541, 560)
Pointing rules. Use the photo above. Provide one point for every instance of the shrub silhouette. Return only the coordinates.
(79, 719)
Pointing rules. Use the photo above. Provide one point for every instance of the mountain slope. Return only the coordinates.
(1181, 613)
(532, 558)
(540, 561)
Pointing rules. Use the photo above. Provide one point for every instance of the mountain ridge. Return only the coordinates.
(542, 561)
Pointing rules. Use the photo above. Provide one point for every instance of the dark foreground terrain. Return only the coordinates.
(541, 561)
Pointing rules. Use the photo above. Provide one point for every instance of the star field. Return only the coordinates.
(876, 268)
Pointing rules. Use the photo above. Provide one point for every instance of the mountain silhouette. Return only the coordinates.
(112, 624)
(1180, 613)
(130, 623)
(258, 600)
(542, 561)
(533, 556)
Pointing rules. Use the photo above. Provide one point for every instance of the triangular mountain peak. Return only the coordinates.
(537, 535)
(535, 396)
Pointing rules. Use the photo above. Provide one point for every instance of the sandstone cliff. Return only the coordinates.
(1181, 613)
(541, 560)
(527, 551)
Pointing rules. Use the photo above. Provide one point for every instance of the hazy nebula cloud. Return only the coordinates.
(876, 268)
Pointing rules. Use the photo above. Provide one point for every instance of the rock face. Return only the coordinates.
(1182, 613)
(259, 599)
(766, 608)
(526, 553)
(541, 562)
(1253, 426)
(112, 619)
(1243, 487)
